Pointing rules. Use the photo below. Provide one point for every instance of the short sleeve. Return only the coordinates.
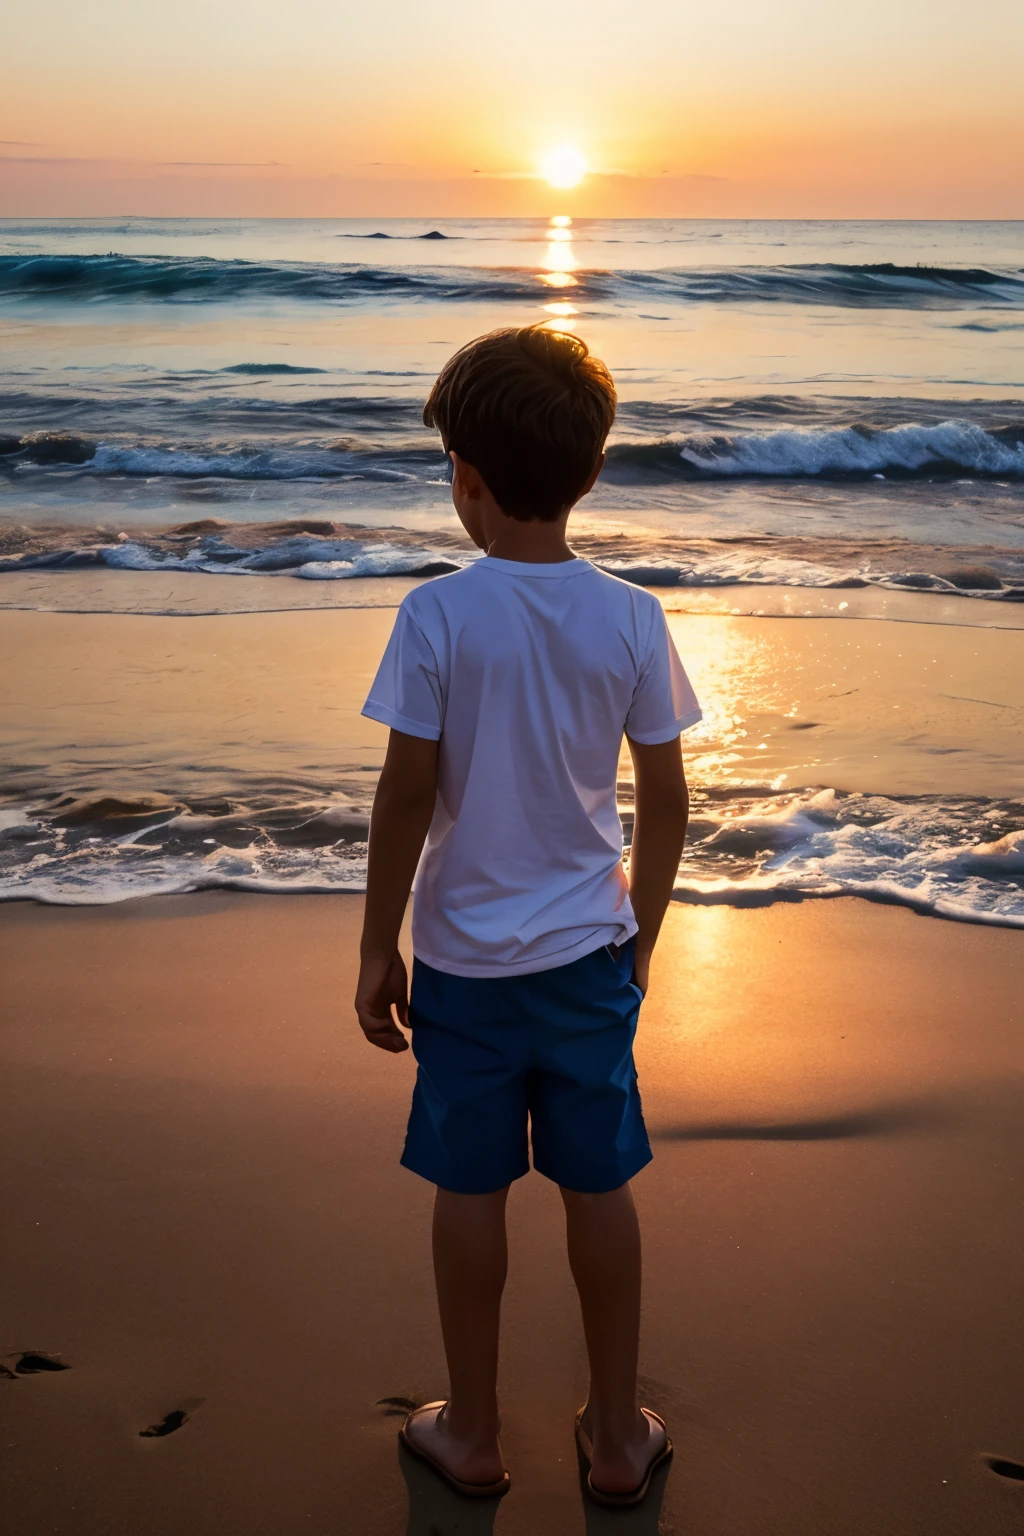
(664, 702)
(406, 693)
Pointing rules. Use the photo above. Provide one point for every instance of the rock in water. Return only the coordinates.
(973, 578)
(57, 448)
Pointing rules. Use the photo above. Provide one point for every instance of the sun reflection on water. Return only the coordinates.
(559, 260)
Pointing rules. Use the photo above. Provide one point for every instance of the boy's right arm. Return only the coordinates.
(403, 808)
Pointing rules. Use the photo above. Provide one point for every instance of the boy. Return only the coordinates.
(508, 687)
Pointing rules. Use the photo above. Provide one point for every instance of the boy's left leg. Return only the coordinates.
(470, 1264)
(603, 1238)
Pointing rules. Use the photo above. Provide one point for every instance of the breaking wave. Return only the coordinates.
(959, 858)
(205, 279)
(853, 452)
(308, 557)
(317, 551)
(947, 448)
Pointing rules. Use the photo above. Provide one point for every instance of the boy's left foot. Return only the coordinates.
(473, 1467)
(621, 1475)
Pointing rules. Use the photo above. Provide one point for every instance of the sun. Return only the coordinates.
(564, 166)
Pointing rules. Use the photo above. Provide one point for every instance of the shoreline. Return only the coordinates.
(176, 594)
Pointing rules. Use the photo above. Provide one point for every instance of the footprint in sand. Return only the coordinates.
(167, 1425)
(173, 1420)
(29, 1362)
(398, 1407)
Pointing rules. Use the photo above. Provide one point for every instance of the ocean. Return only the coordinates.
(818, 421)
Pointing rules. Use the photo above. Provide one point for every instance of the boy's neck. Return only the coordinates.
(533, 543)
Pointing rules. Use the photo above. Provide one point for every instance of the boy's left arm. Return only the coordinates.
(661, 812)
(403, 808)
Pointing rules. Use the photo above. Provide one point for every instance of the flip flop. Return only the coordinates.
(468, 1490)
(632, 1496)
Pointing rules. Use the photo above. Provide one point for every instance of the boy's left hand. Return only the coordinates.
(383, 984)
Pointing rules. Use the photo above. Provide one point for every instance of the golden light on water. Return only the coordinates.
(559, 258)
(564, 166)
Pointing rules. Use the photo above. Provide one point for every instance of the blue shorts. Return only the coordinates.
(554, 1047)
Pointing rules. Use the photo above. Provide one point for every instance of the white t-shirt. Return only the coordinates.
(528, 675)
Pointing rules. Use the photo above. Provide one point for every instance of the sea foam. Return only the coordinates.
(954, 857)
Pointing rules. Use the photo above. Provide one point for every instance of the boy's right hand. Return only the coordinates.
(383, 984)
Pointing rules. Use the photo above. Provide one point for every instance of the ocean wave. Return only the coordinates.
(205, 279)
(307, 557)
(390, 448)
(868, 285)
(960, 858)
(200, 279)
(342, 459)
(252, 462)
(324, 551)
(957, 857)
(949, 447)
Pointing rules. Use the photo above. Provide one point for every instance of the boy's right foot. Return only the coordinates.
(621, 1467)
(473, 1463)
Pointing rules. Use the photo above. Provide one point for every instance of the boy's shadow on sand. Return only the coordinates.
(642, 1521)
(437, 1510)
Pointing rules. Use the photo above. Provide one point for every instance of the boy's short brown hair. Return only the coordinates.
(530, 409)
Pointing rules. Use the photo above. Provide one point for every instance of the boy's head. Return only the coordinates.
(529, 409)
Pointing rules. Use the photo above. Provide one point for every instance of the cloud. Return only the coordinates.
(232, 163)
(22, 143)
(55, 160)
(140, 165)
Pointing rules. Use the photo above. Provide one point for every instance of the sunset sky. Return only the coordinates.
(791, 108)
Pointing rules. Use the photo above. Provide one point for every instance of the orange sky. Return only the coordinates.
(782, 108)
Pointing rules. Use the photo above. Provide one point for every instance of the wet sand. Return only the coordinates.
(129, 703)
(203, 1211)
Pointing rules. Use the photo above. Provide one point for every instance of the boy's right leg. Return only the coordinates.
(470, 1264)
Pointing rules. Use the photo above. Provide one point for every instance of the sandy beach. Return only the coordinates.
(204, 1212)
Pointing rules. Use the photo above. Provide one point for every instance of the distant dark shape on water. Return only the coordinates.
(271, 368)
(973, 578)
(433, 234)
(49, 448)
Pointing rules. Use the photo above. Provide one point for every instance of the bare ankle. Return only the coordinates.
(614, 1427)
(471, 1427)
